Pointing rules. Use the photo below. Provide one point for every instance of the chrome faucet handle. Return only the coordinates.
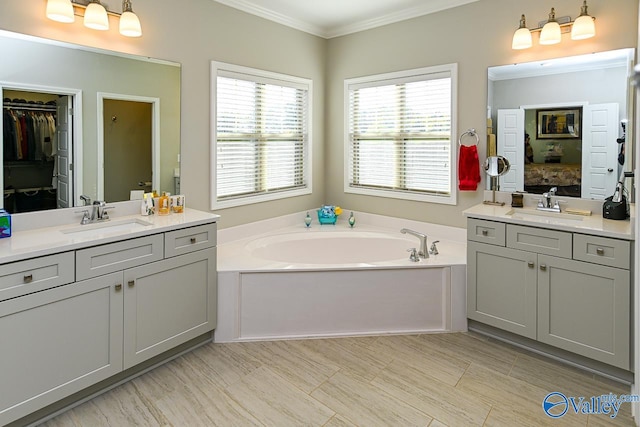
(105, 214)
(86, 219)
(413, 255)
(434, 249)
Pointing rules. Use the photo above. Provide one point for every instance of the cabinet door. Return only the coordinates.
(57, 342)
(501, 288)
(584, 308)
(167, 303)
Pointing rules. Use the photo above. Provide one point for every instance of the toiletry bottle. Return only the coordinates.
(307, 220)
(163, 204)
(352, 220)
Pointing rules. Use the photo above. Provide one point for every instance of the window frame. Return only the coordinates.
(404, 76)
(222, 69)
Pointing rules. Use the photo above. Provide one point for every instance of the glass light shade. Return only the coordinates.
(550, 33)
(60, 10)
(95, 17)
(521, 39)
(583, 28)
(130, 25)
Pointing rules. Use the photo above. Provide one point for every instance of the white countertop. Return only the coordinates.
(594, 224)
(47, 240)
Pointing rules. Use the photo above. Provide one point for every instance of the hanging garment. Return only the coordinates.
(468, 168)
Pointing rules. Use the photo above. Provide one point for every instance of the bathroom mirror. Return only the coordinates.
(90, 92)
(589, 95)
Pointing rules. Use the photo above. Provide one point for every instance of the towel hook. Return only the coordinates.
(470, 132)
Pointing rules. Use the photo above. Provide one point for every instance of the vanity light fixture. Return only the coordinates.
(551, 30)
(95, 15)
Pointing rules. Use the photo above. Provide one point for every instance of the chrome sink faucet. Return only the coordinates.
(99, 211)
(545, 204)
(422, 253)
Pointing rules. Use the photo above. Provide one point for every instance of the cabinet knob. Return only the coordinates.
(485, 232)
(531, 264)
(543, 267)
(192, 240)
(118, 287)
(28, 278)
(600, 251)
(131, 283)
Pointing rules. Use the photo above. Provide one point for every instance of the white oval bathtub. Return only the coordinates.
(296, 282)
(337, 247)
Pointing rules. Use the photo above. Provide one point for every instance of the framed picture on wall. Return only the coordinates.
(559, 123)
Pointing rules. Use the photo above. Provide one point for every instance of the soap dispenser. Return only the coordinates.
(307, 220)
(352, 220)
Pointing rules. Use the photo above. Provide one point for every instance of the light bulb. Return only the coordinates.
(60, 10)
(95, 17)
(551, 31)
(584, 27)
(522, 36)
(130, 25)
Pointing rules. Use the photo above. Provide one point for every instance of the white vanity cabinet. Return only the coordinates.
(72, 319)
(566, 289)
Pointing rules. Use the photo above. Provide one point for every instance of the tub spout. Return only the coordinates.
(422, 253)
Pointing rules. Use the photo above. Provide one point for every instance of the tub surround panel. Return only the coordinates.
(299, 304)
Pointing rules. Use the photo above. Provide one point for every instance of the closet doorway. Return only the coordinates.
(41, 140)
(128, 145)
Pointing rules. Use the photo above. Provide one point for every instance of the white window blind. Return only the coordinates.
(261, 136)
(399, 136)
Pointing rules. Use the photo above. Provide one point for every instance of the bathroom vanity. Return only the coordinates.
(80, 304)
(557, 279)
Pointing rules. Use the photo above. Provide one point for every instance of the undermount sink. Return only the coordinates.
(543, 216)
(107, 227)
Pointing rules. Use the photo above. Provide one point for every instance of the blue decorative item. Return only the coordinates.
(352, 220)
(327, 215)
(307, 220)
(5, 224)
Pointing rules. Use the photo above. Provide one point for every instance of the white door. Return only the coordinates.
(599, 150)
(511, 146)
(62, 170)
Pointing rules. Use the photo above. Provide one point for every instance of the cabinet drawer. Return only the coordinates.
(601, 250)
(99, 260)
(189, 239)
(542, 241)
(483, 231)
(24, 277)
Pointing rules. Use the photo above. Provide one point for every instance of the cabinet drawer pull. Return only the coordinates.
(600, 251)
(485, 232)
(131, 283)
(192, 240)
(543, 267)
(118, 287)
(531, 264)
(28, 278)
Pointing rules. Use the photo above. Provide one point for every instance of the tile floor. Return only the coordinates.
(452, 380)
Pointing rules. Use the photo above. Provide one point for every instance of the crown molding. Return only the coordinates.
(337, 31)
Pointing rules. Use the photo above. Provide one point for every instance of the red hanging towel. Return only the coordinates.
(468, 168)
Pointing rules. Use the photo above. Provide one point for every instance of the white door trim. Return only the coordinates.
(155, 136)
(76, 105)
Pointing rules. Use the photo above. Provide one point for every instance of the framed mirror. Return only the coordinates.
(564, 123)
(84, 121)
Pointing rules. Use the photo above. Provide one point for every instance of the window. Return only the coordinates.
(261, 139)
(399, 134)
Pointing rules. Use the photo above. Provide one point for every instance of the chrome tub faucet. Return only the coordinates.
(422, 253)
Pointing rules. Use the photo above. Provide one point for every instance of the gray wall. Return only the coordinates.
(195, 32)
